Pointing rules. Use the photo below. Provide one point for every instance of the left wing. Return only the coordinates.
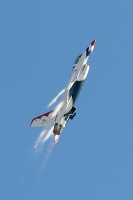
(43, 120)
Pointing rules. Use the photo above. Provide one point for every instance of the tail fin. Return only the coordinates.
(43, 120)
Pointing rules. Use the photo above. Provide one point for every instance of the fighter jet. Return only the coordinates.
(66, 109)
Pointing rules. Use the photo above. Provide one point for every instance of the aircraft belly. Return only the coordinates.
(83, 73)
(76, 90)
(69, 105)
(65, 109)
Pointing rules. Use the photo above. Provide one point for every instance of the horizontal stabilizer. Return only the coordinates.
(43, 120)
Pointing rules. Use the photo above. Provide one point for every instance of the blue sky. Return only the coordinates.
(39, 41)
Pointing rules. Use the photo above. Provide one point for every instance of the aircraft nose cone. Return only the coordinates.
(93, 43)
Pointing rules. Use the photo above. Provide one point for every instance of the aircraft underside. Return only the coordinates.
(66, 109)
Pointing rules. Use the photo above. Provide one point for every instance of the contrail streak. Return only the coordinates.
(45, 134)
(48, 135)
(48, 153)
(57, 108)
(40, 138)
(55, 99)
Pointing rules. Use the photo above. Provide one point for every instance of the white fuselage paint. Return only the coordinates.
(79, 73)
(66, 110)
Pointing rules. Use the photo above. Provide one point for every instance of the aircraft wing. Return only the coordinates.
(43, 120)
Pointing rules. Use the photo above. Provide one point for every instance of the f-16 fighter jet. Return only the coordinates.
(66, 109)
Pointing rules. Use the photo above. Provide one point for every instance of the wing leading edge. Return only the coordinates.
(43, 120)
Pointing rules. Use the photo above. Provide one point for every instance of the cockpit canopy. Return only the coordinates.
(76, 60)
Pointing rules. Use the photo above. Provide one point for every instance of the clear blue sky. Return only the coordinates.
(39, 41)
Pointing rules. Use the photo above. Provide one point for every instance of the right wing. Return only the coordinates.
(43, 120)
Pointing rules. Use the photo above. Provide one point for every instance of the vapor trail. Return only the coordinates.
(48, 135)
(55, 99)
(45, 134)
(57, 108)
(40, 138)
(48, 153)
